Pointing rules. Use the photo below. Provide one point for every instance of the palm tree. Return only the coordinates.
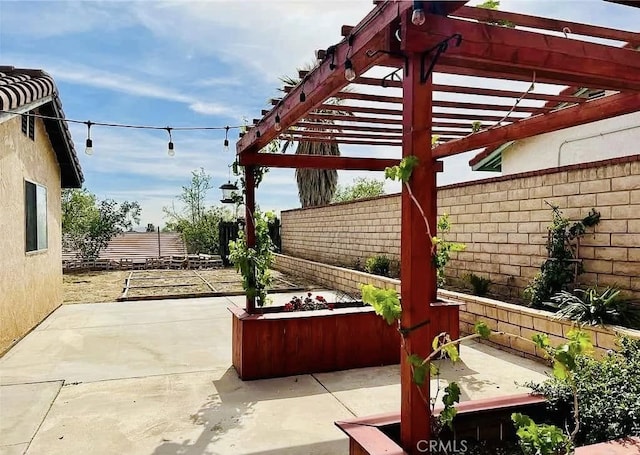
(315, 186)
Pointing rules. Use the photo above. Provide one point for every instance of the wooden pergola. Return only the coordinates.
(455, 40)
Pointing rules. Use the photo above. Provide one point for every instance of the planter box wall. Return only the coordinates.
(486, 419)
(290, 343)
(498, 315)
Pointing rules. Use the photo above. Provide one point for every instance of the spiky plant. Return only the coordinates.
(316, 186)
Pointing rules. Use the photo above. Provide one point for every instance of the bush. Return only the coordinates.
(479, 285)
(592, 307)
(378, 265)
(608, 391)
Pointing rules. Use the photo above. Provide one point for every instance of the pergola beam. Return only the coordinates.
(519, 52)
(436, 103)
(461, 90)
(599, 109)
(316, 162)
(543, 23)
(394, 121)
(324, 82)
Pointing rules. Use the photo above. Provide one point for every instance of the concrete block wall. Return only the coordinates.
(499, 316)
(503, 221)
(341, 234)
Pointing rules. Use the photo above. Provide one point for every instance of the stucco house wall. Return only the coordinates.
(605, 139)
(35, 147)
(30, 282)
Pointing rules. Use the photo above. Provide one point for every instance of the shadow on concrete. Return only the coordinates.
(220, 413)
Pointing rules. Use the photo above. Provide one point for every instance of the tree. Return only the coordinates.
(88, 224)
(197, 223)
(316, 186)
(362, 188)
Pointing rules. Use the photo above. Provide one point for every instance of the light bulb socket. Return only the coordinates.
(170, 150)
(303, 97)
(226, 143)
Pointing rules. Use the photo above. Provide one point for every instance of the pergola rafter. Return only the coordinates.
(486, 49)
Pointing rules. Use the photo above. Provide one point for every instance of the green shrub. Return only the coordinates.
(592, 307)
(479, 285)
(607, 390)
(378, 265)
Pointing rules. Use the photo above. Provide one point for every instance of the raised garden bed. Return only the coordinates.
(481, 427)
(277, 343)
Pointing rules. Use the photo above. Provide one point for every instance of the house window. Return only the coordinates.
(29, 125)
(35, 216)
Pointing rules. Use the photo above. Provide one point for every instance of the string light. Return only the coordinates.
(303, 97)
(418, 17)
(170, 150)
(225, 147)
(349, 72)
(89, 144)
(89, 124)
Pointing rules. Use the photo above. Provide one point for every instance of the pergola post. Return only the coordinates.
(250, 226)
(417, 270)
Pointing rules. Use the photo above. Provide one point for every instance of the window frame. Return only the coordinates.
(39, 220)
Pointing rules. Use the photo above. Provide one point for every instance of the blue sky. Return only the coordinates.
(189, 63)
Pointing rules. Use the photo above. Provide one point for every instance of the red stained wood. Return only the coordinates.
(318, 161)
(250, 228)
(513, 51)
(393, 121)
(377, 129)
(417, 270)
(300, 138)
(372, 32)
(285, 344)
(543, 23)
(476, 91)
(447, 104)
(601, 108)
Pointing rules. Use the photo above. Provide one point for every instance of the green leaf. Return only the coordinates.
(402, 172)
(452, 352)
(385, 302)
(419, 368)
(447, 415)
(482, 329)
(541, 340)
(452, 394)
(435, 344)
(434, 370)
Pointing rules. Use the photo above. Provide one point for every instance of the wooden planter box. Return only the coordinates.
(289, 343)
(486, 419)
(276, 344)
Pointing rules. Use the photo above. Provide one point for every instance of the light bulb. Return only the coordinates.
(349, 72)
(277, 126)
(170, 150)
(418, 17)
(225, 147)
(89, 149)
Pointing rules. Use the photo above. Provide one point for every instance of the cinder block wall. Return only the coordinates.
(503, 221)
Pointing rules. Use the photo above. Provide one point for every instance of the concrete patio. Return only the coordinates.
(155, 377)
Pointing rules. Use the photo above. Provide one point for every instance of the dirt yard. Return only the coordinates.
(108, 286)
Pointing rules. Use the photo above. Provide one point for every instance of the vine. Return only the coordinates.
(254, 263)
(561, 267)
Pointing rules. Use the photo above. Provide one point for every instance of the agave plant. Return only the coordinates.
(594, 307)
(316, 186)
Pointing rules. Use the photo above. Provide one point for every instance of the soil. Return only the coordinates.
(108, 286)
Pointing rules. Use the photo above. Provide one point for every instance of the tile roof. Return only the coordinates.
(20, 87)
